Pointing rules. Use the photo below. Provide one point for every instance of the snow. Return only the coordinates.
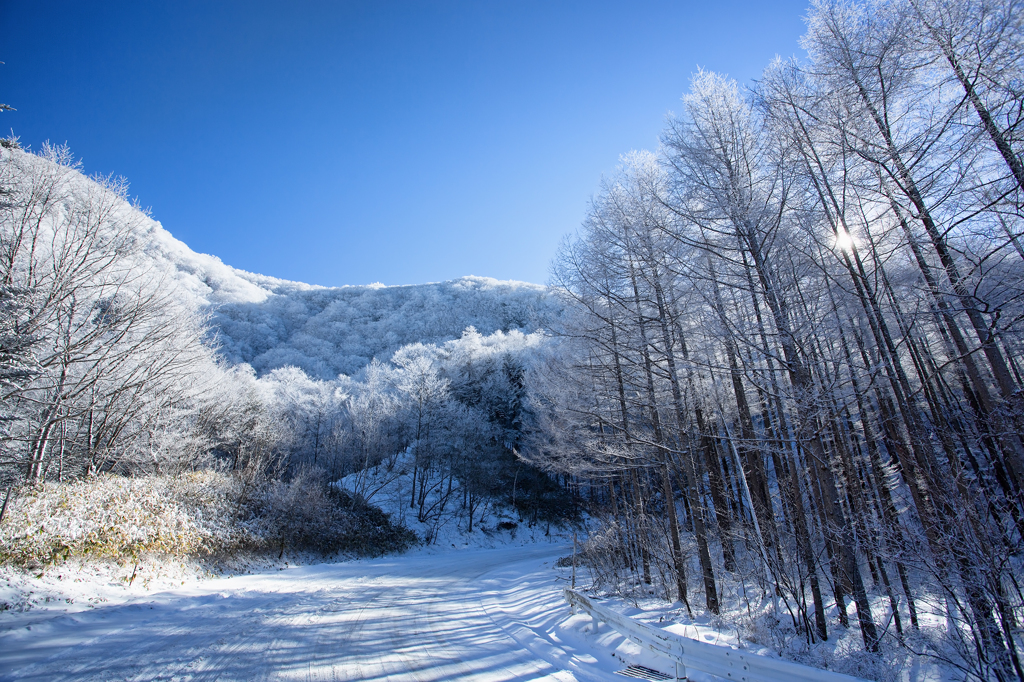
(474, 614)
(331, 331)
(430, 614)
(436, 613)
(480, 605)
(389, 487)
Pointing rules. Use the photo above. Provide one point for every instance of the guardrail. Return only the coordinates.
(722, 661)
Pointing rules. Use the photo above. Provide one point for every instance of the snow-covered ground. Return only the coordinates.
(472, 614)
(389, 486)
(480, 605)
(435, 613)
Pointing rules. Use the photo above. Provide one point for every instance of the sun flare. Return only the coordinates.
(844, 241)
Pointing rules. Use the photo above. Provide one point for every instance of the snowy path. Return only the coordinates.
(468, 615)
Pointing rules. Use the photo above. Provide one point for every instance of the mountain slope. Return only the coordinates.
(326, 331)
(269, 322)
(335, 331)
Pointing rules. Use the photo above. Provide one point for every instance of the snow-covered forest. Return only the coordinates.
(799, 321)
(327, 332)
(778, 367)
(123, 355)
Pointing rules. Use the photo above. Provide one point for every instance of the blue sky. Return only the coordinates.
(354, 142)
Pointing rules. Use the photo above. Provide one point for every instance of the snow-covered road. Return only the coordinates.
(468, 615)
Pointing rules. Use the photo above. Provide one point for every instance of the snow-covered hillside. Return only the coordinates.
(326, 331)
(142, 301)
(331, 331)
(270, 322)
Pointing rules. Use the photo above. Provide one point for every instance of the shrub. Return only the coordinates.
(307, 513)
(198, 514)
(114, 516)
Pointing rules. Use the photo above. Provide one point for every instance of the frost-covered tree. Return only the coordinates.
(809, 302)
(114, 349)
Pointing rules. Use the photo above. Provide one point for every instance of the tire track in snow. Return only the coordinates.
(414, 619)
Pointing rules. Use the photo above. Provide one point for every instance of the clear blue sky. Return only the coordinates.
(353, 142)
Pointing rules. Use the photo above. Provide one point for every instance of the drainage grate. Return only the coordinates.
(639, 672)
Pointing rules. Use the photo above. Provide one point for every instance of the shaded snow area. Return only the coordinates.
(842, 653)
(442, 520)
(492, 614)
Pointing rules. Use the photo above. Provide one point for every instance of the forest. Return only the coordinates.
(778, 365)
(123, 390)
(797, 338)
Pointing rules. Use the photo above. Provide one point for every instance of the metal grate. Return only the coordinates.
(639, 672)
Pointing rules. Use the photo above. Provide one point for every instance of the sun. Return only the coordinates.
(844, 241)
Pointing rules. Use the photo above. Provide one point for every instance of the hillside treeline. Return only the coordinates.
(331, 331)
(110, 367)
(799, 333)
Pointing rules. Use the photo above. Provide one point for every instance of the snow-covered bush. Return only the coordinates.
(198, 514)
(606, 558)
(306, 513)
(115, 516)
